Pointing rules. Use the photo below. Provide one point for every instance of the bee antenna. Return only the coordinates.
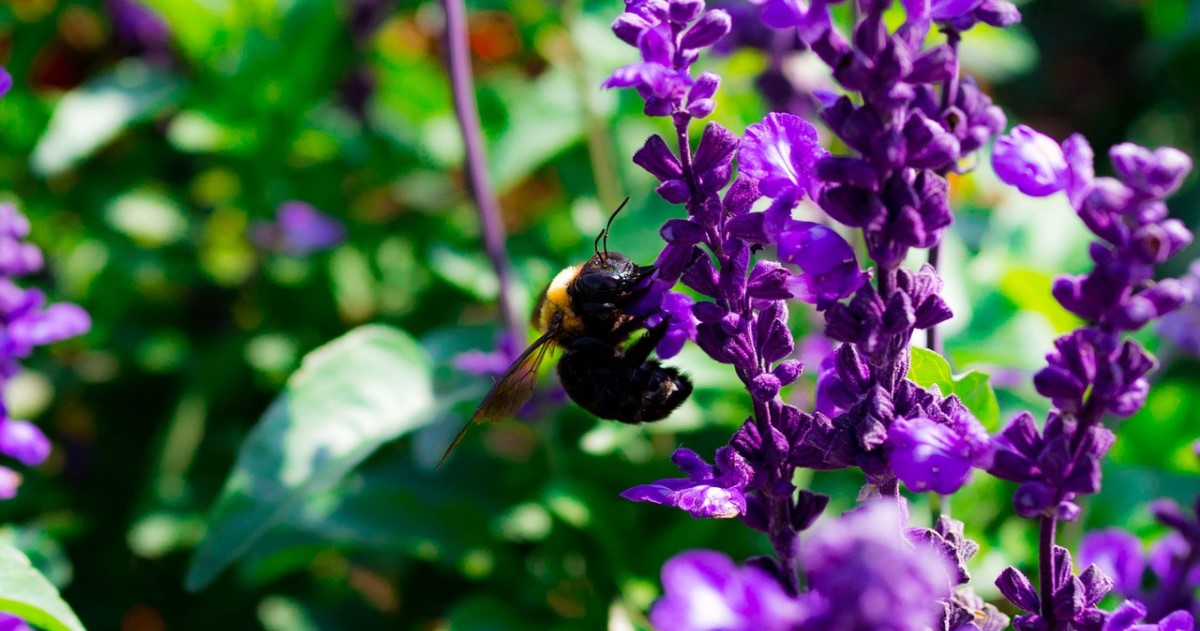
(604, 235)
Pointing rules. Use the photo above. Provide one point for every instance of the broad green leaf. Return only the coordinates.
(349, 397)
(26, 593)
(974, 388)
(94, 113)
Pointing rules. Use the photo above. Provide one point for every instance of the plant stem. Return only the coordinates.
(933, 341)
(462, 87)
(1046, 571)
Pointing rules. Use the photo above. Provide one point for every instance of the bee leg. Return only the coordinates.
(641, 349)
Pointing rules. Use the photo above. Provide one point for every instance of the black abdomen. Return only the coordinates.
(603, 382)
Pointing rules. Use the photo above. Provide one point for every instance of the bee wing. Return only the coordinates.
(512, 390)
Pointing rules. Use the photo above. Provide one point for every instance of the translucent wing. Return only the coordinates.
(512, 390)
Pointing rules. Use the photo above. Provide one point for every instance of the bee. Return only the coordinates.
(583, 312)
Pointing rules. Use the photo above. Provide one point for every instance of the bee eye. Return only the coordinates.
(598, 283)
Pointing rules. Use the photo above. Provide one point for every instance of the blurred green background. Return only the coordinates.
(144, 157)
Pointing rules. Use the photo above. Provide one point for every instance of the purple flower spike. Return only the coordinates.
(707, 492)
(928, 456)
(1118, 554)
(874, 579)
(781, 152)
(1031, 161)
(24, 441)
(705, 591)
(6, 81)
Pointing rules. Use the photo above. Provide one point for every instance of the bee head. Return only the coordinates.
(609, 277)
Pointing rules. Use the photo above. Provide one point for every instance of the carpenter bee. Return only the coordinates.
(583, 312)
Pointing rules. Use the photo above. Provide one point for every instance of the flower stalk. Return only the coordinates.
(458, 58)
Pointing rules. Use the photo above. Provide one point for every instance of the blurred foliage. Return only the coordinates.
(144, 168)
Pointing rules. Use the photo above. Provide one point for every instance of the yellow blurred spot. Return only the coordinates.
(216, 186)
(82, 28)
(376, 589)
(478, 563)
(31, 10)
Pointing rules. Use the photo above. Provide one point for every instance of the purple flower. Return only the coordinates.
(831, 270)
(10, 481)
(707, 492)
(24, 441)
(9, 622)
(6, 81)
(1118, 554)
(299, 230)
(139, 26)
(1031, 161)
(1129, 613)
(669, 36)
(26, 323)
(809, 18)
(781, 152)
(1182, 328)
(1075, 596)
(705, 591)
(929, 456)
(872, 577)
(681, 327)
(1049, 470)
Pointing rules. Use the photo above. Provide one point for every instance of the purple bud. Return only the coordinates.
(788, 371)
(1156, 173)
(713, 26)
(657, 158)
(684, 11)
(655, 47)
(1030, 161)
(628, 27)
(765, 387)
(24, 441)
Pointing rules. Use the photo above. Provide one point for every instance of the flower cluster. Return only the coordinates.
(742, 320)
(1093, 371)
(853, 565)
(669, 34)
(26, 322)
(908, 119)
(1174, 561)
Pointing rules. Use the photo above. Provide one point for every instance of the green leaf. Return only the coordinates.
(94, 113)
(349, 397)
(26, 593)
(974, 388)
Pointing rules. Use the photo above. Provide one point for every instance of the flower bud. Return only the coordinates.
(707, 31)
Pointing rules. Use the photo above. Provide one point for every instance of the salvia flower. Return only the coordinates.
(299, 230)
(928, 455)
(708, 491)
(706, 591)
(872, 577)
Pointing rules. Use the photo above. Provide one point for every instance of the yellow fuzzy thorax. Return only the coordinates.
(557, 301)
